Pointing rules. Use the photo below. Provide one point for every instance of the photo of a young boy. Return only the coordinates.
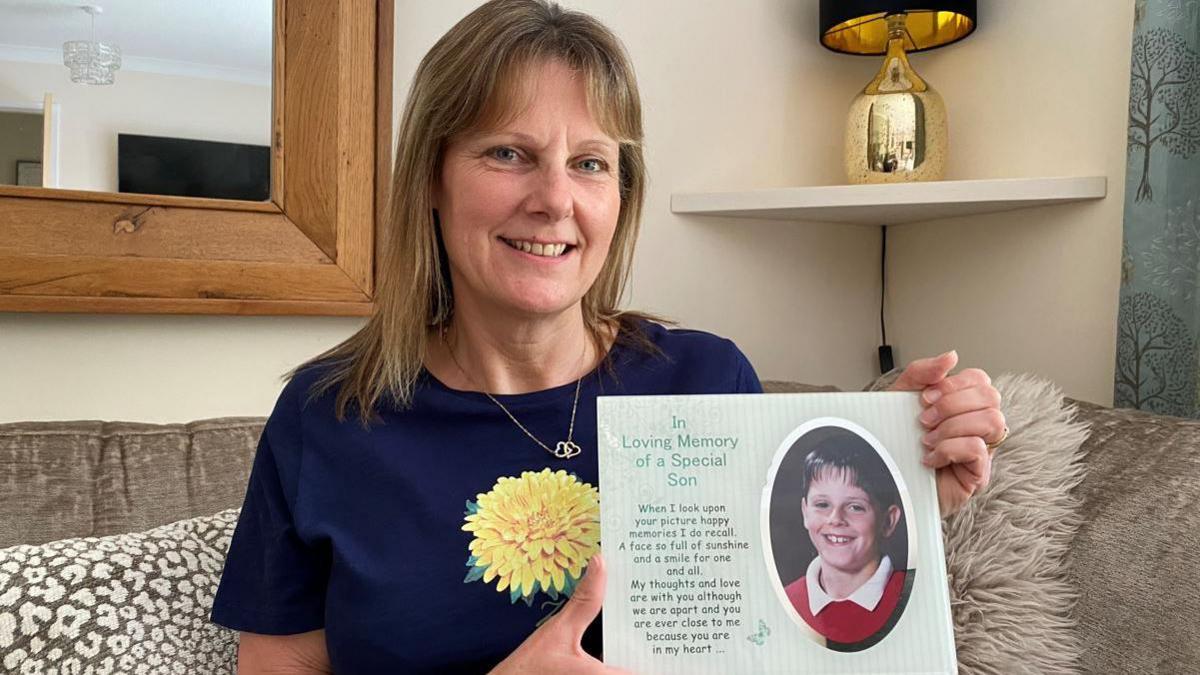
(853, 583)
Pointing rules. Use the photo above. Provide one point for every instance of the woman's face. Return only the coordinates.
(843, 523)
(528, 210)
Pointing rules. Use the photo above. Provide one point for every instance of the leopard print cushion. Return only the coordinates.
(126, 603)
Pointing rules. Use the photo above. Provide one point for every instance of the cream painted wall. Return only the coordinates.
(757, 107)
(1033, 290)
(150, 368)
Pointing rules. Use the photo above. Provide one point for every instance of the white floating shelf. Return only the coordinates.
(892, 203)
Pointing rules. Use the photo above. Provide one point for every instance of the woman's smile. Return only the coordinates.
(546, 250)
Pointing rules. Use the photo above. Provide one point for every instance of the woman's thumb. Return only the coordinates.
(925, 372)
(585, 601)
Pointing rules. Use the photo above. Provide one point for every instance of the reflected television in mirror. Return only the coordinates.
(193, 168)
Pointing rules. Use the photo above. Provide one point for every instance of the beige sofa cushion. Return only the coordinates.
(71, 479)
(1136, 554)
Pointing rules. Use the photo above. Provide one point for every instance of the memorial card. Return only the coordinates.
(771, 533)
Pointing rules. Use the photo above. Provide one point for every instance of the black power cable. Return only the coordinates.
(886, 362)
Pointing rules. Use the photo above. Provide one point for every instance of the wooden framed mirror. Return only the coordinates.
(310, 249)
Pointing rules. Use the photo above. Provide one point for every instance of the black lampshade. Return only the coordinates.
(859, 26)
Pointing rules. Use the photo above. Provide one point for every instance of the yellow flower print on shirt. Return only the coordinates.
(533, 533)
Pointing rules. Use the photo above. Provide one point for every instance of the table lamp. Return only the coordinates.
(896, 130)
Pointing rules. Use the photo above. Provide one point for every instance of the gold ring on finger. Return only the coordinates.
(995, 444)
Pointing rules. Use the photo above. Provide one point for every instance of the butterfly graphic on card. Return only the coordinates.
(761, 636)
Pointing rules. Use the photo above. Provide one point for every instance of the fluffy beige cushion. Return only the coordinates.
(1007, 550)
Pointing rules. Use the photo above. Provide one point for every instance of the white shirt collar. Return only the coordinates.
(866, 596)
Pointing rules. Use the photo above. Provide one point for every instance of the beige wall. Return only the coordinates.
(151, 369)
(759, 106)
(1033, 290)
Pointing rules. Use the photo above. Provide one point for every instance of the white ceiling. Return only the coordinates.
(223, 39)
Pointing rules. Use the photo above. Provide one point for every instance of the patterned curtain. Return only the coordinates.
(1158, 326)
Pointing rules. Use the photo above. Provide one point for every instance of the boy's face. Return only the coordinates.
(842, 522)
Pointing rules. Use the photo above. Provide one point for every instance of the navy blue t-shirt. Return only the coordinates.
(362, 532)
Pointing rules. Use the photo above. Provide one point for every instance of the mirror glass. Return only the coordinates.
(164, 97)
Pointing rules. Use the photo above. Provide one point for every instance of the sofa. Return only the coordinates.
(1078, 558)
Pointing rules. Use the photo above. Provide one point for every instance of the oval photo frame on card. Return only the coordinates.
(847, 462)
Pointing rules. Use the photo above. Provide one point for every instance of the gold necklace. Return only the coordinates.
(563, 449)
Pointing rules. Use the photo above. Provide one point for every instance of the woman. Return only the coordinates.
(458, 426)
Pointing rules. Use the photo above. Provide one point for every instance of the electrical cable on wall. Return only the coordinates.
(886, 362)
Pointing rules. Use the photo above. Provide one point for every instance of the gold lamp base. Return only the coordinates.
(896, 130)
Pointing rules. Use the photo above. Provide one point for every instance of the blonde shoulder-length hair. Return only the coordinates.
(473, 78)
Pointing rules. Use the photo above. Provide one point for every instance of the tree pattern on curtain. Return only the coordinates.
(1158, 325)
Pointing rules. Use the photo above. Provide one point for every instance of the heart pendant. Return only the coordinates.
(566, 450)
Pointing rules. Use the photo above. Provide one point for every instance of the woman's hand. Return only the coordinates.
(962, 415)
(554, 647)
